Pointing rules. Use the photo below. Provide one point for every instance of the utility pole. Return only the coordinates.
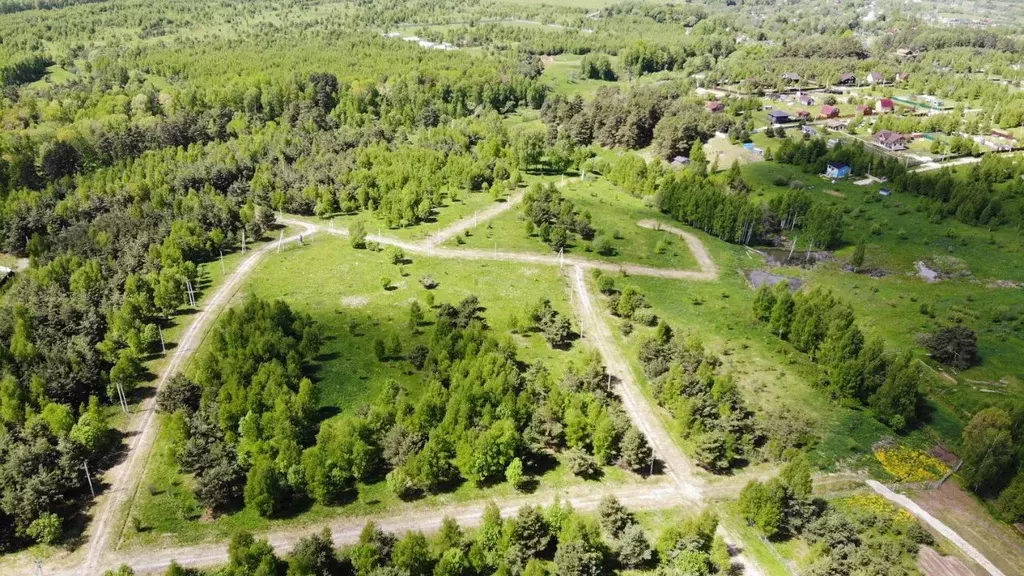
(280, 240)
(91, 491)
(222, 262)
(561, 258)
(243, 240)
(163, 347)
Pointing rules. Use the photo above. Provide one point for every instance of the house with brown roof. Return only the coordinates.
(902, 76)
(885, 105)
(864, 110)
(792, 77)
(847, 79)
(802, 114)
(875, 78)
(890, 140)
(805, 99)
(714, 106)
(829, 112)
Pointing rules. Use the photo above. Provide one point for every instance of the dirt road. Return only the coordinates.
(406, 518)
(125, 477)
(676, 465)
(936, 525)
(468, 223)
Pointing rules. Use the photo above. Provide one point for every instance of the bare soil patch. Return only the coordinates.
(355, 301)
(1000, 543)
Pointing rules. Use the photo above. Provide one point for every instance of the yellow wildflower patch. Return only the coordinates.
(908, 465)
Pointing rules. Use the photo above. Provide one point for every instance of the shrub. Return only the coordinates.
(581, 464)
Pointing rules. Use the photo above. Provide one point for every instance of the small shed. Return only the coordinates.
(803, 114)
(884, 191)
(805, 99)
(715, 106)
(864, 110)
(885, 105)
(680, 161)
(837, 170)
(791, 77)
(829, 111)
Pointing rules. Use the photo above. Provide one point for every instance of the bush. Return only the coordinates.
(180, 393)
(603, 246)
(645, 316)
(46, 529)
(581, 464)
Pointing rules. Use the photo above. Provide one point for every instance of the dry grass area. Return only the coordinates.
(1001, 544)
(931, 563)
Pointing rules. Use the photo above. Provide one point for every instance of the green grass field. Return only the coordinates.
(341, 288)
(614, 215)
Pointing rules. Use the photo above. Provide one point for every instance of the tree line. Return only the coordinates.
(533, 542)
(852, 367)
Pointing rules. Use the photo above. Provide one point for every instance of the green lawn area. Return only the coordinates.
(891, 305)
(341, 288)
(614, 215)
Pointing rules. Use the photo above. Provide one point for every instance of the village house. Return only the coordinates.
(778, 117)
(803, 115)
(835, 124)
(805, 99)
(864, 110)
(875, 78)
(829, 112)
(715, 106)
(847, 79)
(885, 105)
(837, 170)
(902, 76)
(890, 140)
(791, 77)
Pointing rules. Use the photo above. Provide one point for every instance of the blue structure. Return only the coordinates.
(778, 117)
(836, 170)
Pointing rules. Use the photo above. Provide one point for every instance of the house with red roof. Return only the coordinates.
(864, 110)
(803, 114)
(885, 105)
(829, 111)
